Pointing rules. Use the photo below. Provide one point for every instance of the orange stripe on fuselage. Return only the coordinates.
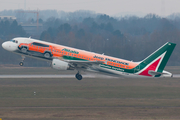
(89, 56)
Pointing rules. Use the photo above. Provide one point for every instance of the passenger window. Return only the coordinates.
(40, 44)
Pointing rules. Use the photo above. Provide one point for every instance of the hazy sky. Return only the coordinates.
(110, 7)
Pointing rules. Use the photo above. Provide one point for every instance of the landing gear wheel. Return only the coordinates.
(24, 50)
(21, 63)
(78, 76)
(47, 55)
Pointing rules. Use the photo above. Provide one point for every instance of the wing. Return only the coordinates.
(90, 66)
(83, 64)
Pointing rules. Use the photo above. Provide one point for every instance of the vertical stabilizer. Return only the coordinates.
(156, 61)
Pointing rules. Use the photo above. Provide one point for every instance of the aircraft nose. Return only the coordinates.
(9, 46)
(4, 45)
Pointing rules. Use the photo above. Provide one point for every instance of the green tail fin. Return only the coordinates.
(157, 60)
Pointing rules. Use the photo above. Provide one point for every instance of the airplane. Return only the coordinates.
(68, 58)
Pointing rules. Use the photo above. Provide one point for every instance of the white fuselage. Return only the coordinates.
(12, 46)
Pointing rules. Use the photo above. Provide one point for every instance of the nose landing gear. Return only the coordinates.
(78, 76)
(21, 63)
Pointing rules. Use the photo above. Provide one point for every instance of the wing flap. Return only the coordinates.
(83, 64)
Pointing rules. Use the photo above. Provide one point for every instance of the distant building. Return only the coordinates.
(9, 18)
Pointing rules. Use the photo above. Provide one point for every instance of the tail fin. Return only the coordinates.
(157, 60)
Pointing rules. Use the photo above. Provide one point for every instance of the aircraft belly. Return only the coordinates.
(107, 71)
(112, 72)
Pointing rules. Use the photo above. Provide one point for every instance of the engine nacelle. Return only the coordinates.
(60, 65)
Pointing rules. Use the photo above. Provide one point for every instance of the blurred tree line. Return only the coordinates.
(10, 29)
(130, 38)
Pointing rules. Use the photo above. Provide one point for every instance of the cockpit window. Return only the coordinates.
(15, 41)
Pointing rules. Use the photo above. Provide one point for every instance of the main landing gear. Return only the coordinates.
(78, 76)
(21, 63)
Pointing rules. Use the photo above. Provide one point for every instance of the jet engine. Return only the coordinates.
(60, 65)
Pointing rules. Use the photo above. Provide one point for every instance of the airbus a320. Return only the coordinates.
(68, 58)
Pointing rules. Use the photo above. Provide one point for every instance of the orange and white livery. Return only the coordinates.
(68, 58)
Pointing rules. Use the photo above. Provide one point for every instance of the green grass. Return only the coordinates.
(100, 99)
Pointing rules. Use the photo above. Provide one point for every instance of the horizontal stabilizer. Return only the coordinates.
(157, 73)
